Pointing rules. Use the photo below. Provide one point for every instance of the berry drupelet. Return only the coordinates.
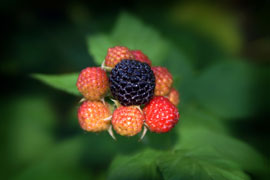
(132, 82)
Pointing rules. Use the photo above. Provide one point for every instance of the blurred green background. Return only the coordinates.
(218, 53)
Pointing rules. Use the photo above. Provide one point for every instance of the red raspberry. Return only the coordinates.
(160, 115)
(164, 81)
(173, 96)
(93, 83)
(127, 120)
(140, 56)
(91, 115)
(117, 54)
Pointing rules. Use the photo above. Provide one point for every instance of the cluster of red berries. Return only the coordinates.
(159, 114)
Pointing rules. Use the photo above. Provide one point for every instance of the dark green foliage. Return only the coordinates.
(201, 145)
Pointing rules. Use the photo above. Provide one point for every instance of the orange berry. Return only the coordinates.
(127, 120)
(117, 54)
(93, 83)
(91, 115)
(164, 81)
(173, 96)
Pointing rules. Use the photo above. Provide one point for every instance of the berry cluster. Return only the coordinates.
(128, 79)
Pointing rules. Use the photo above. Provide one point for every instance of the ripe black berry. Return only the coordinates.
(132, 82)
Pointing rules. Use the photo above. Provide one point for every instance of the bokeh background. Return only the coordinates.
(219, 55)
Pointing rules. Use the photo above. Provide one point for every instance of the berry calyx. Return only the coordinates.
(132, 82)
(127, 120)
(160, 115)
(140, 56)
(173, 96)
(117, 54)
(164, 81)
(93, 116)
(93, 83)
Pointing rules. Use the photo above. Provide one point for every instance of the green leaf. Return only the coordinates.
(131, 32)
(98, 46)
(60, 162)
(183, 73)
(178, 64)
(64, 82)
(193, 117)
(164, 141)
(195, 164)
(229, 148)
(199, 129)
(226, 89)
(138, 167)
(31, 119)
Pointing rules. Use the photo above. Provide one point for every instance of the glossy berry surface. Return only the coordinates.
(160, 115)
(127, 120)
(164, 81)
(132, 82)
(117, 54)
(93, 83)
(91, 115)
(140, 56)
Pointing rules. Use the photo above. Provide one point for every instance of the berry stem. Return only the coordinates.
(108, 118)
(82, 100)
(143, 133)
(103, 101)
(110, 131)
(106, 68)
(117, 104)
(139, 108)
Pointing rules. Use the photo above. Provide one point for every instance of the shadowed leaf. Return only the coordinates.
(194, 164)
(138, 167)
